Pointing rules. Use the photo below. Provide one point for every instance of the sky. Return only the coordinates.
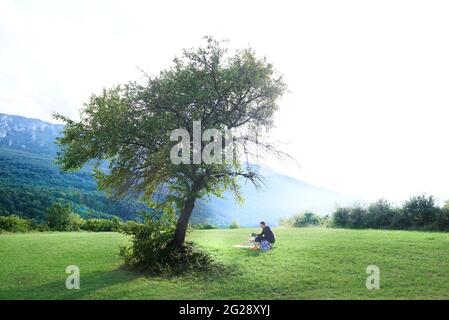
(367, 108)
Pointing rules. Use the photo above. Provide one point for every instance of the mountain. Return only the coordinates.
(30, 182)
(32, 135)
(281, 197)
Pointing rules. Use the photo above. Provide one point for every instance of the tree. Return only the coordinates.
(421, 209)
(61, 218)
(304, 219)
(234, 225)
(357, 217)
(340, 218)
(380, 214)
(130, 127)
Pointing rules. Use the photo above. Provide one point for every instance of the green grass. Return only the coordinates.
(306, 264)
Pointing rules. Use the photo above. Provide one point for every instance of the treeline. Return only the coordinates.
(61, 218)
(417, 213)
(32, 202)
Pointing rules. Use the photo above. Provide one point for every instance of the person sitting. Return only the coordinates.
(266, 234)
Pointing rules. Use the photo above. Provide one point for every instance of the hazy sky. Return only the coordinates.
(368, 105)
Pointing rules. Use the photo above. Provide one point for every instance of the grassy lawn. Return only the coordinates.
(306, 264)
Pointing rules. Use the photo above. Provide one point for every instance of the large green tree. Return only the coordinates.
(130, 127)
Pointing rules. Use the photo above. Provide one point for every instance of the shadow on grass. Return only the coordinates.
(255, 253)
(217, 271)
(89, 283)
(95, 284)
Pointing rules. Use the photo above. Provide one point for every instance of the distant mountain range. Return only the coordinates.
(30, 181)
(30, 135)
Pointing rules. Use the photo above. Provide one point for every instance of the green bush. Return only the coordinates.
(234, 225)
(14, 223)
(380, 215)
(442, 219)
(357, 217)
(421, 210)
(101, 225)
(326, 221)
(129, 226)
(306, 219)
(400, 220)
(41, 227)
(340, 218)
(151, 249)
(203, 226)
(61, 218)
(418, 212)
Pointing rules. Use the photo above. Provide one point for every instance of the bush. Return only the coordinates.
(151, 249)
(61, 218)
(203, 226)
(234, 225)
(306, 219)
(129, 226)
(401, 220)
(357, 217)
(380, 215)
(442, 219)
(101, 225)
(14, 223)
(340, 218)
(41, 227)
(326, 221)
(421, 210)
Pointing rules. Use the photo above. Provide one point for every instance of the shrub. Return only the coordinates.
(41, 227)
(380, 214)
(101, 225)
(442, 219)
(75, 222)
(203, 226)
(357, 217)
(305, 219)
(14, 223)
(421, 210)
(61, 218)
(151, 249)
(326, 221)
(340, 218)
(128, 227)
(234, 225)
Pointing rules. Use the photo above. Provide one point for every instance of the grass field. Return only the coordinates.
(306, 264)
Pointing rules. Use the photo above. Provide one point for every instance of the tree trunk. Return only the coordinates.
(183, 222)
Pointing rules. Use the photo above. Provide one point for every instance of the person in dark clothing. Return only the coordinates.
(266, 234)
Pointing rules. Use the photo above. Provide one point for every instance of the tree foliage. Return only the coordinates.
(61, 218)
(304, 219)
(130, 125)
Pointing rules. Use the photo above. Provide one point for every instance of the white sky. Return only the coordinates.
(369, 80)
